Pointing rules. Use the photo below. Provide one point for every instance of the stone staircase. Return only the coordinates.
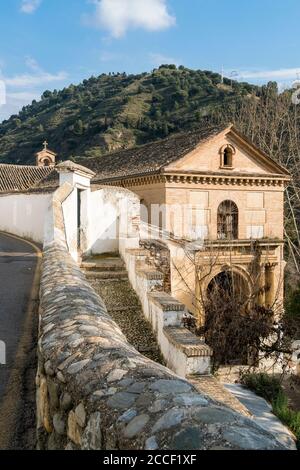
(107, 267)
(108, 277)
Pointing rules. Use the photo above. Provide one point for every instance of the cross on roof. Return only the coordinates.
(45, 144)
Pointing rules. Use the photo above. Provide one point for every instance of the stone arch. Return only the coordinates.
(46, 162)
(227, 303)
(227, 153)
(234, 269)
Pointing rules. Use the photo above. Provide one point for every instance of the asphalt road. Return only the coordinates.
(18, 331)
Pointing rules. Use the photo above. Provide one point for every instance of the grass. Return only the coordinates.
(269, 387)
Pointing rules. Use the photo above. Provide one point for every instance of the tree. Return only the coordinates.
(79, 127)
(232, 318)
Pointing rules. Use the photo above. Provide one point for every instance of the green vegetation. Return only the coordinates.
(116, 111)
(292, 307)
(269, 387)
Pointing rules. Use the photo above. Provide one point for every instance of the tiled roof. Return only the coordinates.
(19, 178)
(49, 182)
(148, 158)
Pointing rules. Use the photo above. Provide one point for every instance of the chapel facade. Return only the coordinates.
(216, 188)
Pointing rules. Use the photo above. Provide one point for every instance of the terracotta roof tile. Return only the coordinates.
(19, 178)
(147, 158)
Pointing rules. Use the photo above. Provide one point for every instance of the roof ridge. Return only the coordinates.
(183, 133)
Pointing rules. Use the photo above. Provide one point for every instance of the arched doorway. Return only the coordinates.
(226, 306)
(228, 283)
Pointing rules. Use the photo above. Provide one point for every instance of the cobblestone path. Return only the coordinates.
(210, 386)
(109, 279)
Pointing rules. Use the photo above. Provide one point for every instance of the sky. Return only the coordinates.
(48, 44)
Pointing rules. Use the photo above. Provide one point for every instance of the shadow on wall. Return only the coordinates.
(108, 240)
(113, 215)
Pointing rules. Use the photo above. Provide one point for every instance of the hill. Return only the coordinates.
(117, 111)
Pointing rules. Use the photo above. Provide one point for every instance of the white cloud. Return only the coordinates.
(159, 59)
(279, 74)
(22, 89)
(118, 16)
(28, 80)
(36, 78)
(30, 6)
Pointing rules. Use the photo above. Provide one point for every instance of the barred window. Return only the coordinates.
(228, 219)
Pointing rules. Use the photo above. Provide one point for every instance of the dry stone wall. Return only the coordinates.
(95, 391)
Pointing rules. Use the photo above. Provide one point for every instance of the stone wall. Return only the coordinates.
(159, 258)
(95, 391)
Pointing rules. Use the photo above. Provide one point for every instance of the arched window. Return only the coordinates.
(46, 162)
(227, 152)
(228, 221)
(228, 157)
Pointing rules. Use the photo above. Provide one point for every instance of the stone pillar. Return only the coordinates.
(262, 285)
(200, 310)
(270, 284)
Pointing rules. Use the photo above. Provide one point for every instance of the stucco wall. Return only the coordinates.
(111, 214)
(24, 214)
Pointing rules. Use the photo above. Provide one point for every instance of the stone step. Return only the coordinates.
(104, 263)
(107, 275)
(102, 266)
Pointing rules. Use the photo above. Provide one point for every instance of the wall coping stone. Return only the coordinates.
(166, 302)
(136, 251)
(149, 273)
(187, 342)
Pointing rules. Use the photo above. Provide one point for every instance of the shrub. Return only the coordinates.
(264, 385)
(269, 387)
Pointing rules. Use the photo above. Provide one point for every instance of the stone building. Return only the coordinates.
(211, 197)
(46, 157)
(215, 187)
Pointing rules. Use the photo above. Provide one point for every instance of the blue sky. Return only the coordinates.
(47, 44)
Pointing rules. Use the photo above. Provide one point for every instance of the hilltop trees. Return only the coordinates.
(132, 109)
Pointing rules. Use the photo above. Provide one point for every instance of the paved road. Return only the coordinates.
(18, 330)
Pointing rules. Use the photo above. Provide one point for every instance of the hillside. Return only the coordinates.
(117, 111)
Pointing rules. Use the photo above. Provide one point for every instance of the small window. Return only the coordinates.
(227, 157)
(227, 153)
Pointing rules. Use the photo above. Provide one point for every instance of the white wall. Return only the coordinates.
(24, 215)
(109, 220)
(69, 207)
(74, 179)
(102, 223)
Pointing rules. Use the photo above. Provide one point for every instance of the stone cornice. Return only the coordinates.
(204, 178)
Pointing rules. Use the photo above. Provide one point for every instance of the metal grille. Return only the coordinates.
(228, 219)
